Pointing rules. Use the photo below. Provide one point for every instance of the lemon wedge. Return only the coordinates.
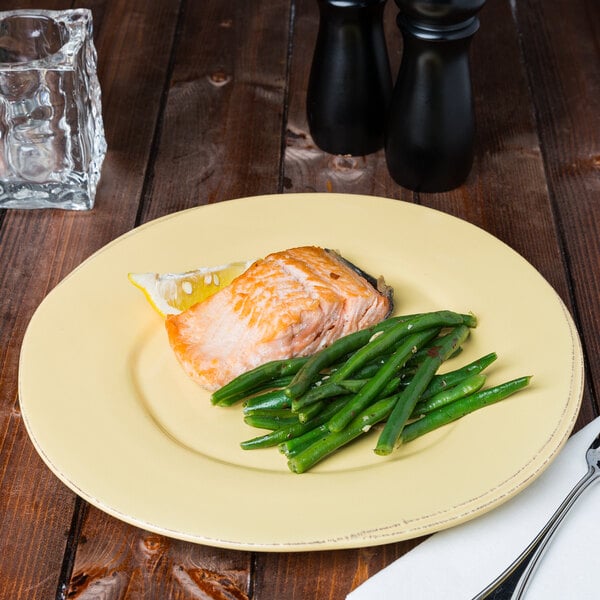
(172, 293)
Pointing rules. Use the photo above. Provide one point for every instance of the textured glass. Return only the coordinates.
(52, 142)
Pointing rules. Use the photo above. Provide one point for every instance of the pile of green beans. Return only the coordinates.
(387, 374)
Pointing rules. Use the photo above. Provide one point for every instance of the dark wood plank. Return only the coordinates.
(563, 60)
(332, 574)
(31, 499)
(220, 134)
(117, 561)
(35, 509)
(38, 249)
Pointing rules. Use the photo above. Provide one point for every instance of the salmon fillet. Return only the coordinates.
(291, 303)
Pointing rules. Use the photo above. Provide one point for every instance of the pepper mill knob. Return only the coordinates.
(431, 127)
(350, 83)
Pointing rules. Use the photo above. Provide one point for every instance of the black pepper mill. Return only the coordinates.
(350, 83)
(430, 135)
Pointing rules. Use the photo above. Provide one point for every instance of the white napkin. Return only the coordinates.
(456, 564)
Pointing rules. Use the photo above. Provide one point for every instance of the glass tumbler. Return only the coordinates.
(52, 142)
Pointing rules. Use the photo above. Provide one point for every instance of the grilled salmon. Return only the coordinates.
(291, 303)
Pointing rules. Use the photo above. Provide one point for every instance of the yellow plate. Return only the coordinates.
(115, 418)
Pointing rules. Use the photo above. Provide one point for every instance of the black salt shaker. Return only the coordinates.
(430, 133)
(350, 83)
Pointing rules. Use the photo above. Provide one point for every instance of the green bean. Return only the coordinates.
(267, 387)
(375, 385)
(244, 396)
(271, 412)
(460, 408)
(418, 358)
(307, 413)
(270, 399)
(446, 380)
(309, 373)
(278, 382)
(410, 395)
(278, 436)
(326, 390)
(391, 387)
(246, 383)
(264, 396)
(370, 369)
(386, 340)
(470, 320)
(307, 450)
(297, 444)
(331, 441)
(318, 393)
(270, 422)
(466, 387)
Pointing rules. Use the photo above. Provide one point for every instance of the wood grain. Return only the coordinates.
(205, 101)
(115, 560)
(36, 508)
(220, 132)
(567, 112)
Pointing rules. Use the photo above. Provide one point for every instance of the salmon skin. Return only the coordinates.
(290, 303)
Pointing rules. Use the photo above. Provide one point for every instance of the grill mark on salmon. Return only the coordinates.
(291, 303)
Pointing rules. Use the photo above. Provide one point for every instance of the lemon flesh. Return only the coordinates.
(172, 293)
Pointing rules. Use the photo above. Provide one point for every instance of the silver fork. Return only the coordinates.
(513, 582)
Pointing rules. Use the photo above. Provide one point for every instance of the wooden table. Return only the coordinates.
(204, 101)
